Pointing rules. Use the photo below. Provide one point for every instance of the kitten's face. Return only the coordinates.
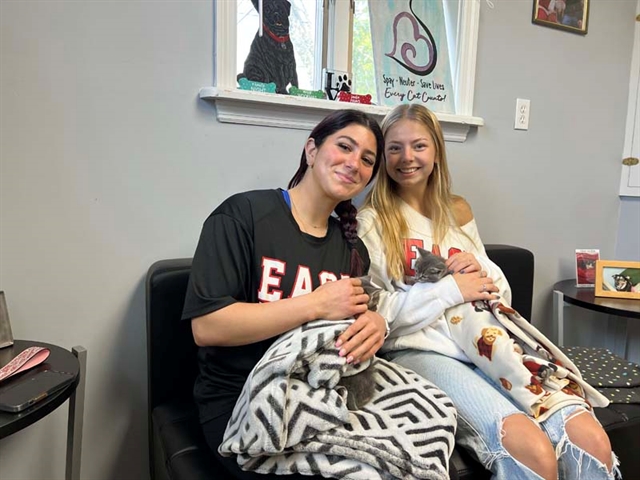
(429, 268)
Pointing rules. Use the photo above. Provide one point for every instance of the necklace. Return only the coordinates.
(299, 216)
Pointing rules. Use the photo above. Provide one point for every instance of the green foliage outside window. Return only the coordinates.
(362, 56)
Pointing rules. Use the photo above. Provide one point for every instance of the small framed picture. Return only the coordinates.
(334, 82)
(6, 337)
(569, 15)
(586, 267)
(617, 279)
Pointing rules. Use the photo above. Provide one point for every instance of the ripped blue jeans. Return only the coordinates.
(482, 408)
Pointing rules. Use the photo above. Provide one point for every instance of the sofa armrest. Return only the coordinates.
(517, 263)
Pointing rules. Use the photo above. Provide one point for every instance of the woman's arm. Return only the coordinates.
(406, 311)
(416, 308)
(243, 323)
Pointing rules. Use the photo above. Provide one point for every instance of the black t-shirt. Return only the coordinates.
(252, 250)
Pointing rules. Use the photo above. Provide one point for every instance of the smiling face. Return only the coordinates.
(343, 164)
(410, 155)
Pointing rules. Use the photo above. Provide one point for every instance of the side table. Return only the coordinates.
(567, 292)
(74, 362)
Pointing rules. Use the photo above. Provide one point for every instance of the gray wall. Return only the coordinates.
(110, 162)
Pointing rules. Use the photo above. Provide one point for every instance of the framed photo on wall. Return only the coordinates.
(617, 279)
(569, 15)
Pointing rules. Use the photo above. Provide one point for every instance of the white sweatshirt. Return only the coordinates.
(415, 313)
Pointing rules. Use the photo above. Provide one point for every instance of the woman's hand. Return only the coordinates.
(340, 299)
(363, 338)
(463, 262)
(476, 286)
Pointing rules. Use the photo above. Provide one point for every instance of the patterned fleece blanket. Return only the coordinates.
(518, 357)
(292, 416)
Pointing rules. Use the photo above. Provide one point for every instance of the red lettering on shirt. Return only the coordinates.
(273, 270)
(269, 282)
(410, 254)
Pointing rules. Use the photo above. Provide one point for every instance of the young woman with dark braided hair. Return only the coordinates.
(269, 261)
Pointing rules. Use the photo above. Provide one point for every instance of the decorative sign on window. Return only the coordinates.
(271, 58)
(278, 46)
(410, 53)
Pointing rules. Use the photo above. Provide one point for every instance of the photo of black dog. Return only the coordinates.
(271, 57)
(622, 283)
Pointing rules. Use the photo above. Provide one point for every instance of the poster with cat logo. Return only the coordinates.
(410, 53)
(586, 267)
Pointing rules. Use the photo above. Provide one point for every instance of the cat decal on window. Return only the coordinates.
(410, 51)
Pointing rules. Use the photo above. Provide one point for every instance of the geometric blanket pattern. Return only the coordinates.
(292, 415)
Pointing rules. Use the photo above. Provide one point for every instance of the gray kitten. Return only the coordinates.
(362, 385)
(429, 267)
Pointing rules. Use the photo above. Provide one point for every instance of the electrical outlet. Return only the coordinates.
(523, 107)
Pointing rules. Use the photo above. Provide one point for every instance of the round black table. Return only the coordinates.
(567, 292)
(58, 359)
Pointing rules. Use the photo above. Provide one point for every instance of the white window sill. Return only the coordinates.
(285, 111)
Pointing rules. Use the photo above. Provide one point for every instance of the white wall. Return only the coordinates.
(109, 162)
(551, 189)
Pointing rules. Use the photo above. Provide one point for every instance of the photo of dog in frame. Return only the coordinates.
(617, 279)
(271, 57)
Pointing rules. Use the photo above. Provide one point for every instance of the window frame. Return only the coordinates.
(266, 109)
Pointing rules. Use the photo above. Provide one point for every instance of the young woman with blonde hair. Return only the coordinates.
(411, 205)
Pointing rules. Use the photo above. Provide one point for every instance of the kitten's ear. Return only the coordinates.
(367, 284)
(423, 252)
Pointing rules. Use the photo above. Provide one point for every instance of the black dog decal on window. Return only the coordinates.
(271, 57)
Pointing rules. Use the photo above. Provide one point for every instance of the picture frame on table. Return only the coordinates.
(6, 337)
(569, 15)
(617, 279)
(586, 259)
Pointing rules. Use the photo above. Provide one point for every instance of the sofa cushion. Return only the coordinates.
(466, 467)
(183, 446)
(178, 450)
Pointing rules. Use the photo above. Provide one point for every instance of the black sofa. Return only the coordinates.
(177, 450)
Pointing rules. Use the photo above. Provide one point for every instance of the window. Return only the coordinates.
(346, 23)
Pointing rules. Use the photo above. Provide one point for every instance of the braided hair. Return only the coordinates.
(345, 210)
